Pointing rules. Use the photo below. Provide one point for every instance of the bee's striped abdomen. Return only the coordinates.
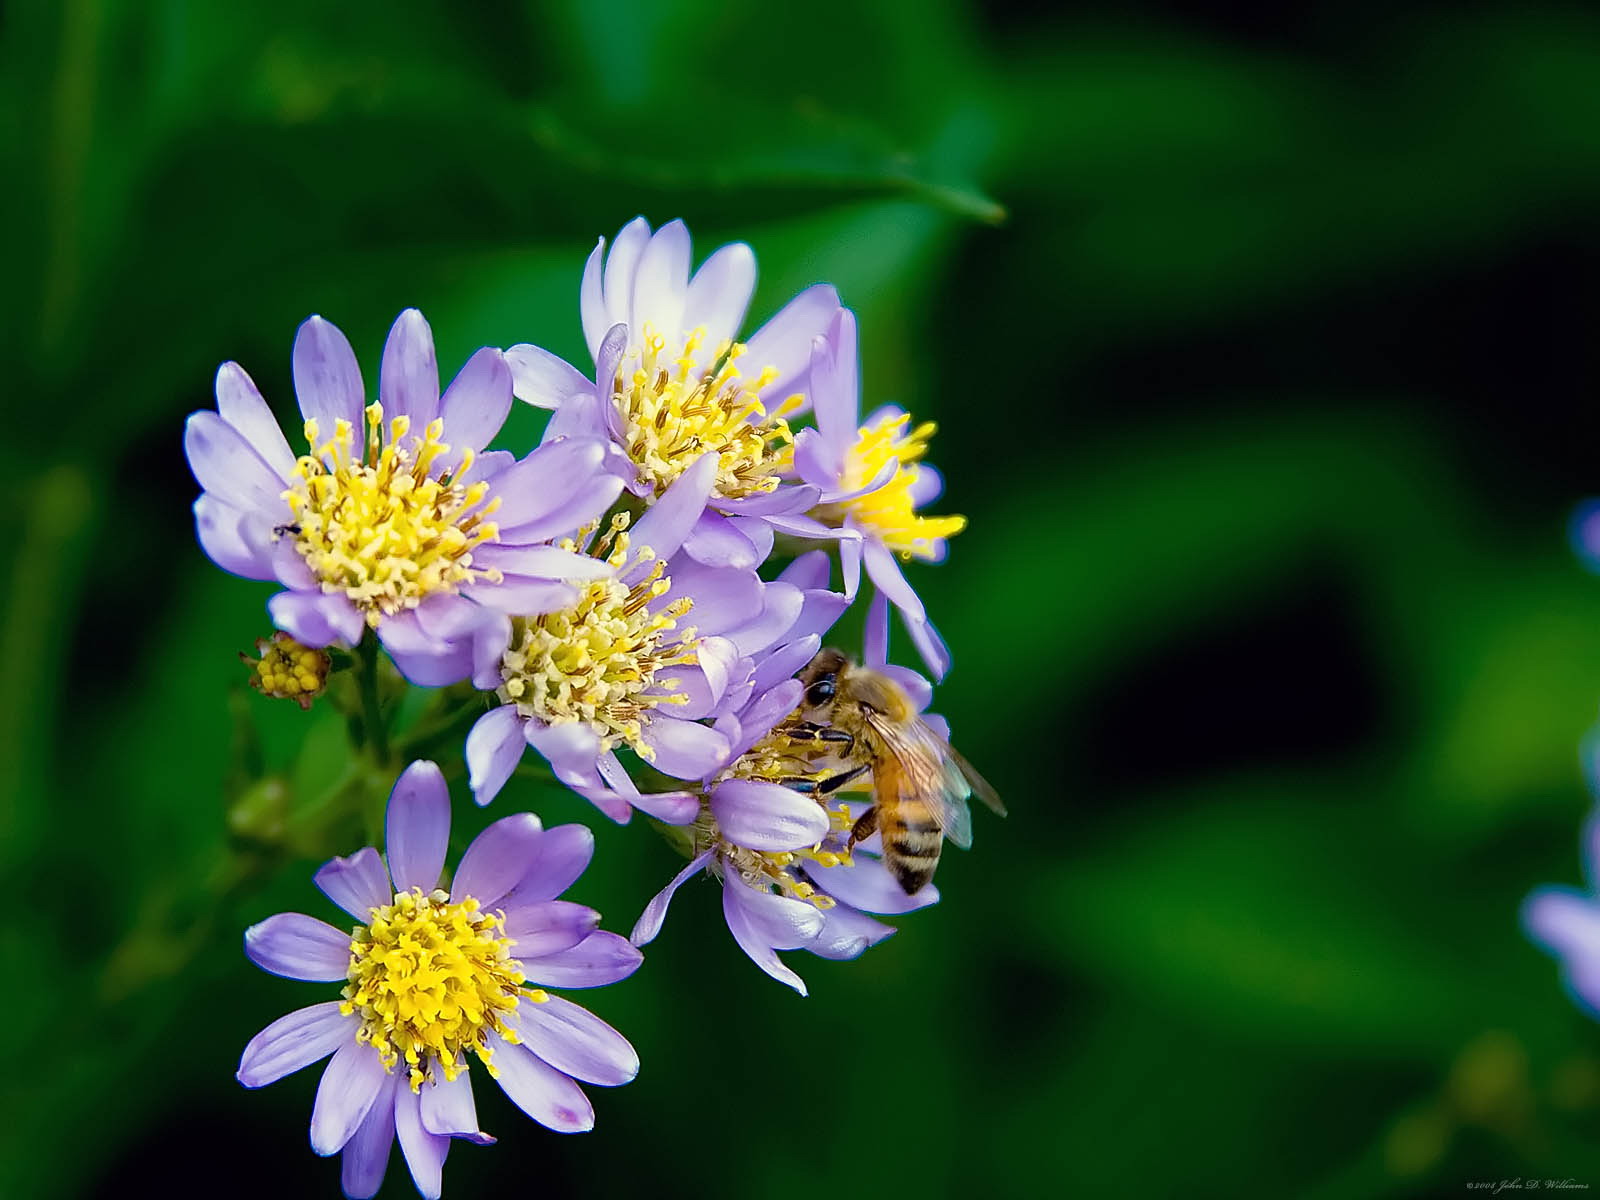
(912, 840)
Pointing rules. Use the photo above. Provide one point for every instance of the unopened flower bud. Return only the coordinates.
(287, 670)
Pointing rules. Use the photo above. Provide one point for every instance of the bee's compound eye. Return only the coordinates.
(820, 692)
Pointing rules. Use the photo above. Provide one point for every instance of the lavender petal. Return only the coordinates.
(228, 467)
(719, 294)
(559, 858)
(352, 1082)
(756, 947)
(408, 379)
(785, 341)
(239, 403)
(715, 541)
(218, 526)
(622, 266)
(570, 749)
(494, 748)
(357, 884)
(660, 283)
(424, 1151)
(813, 569)
(835, 382)
(539, 485)
(431, 664)
(757, 720)
(298, 947)
(655, 913)
(869, 886)
(875, 633)
(366, 1155)
(497, 859)
(784, 662)
(601, 958)
(518, 595)
(475, 405)
(296, 1040)
(576, 1042)
(766, 816)
(684, 749)
(542, 379)
(670, 808)
(785, 499)
(316, 619)
(592, 300)
(780, 610)
(721, 598)
(930, 646)
(540, 927)
(449, 1109)
(417, 827)
(543, 562)
(779, 921)
(846, 933)
(927, 486)
(850, 551)
(817, 462)
(327, 381)
(541, 1091)
(885, 573)
(668, 521)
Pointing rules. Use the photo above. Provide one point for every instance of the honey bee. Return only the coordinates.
(920, 785)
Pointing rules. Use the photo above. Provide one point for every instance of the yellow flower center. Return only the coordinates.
(597, 660)
(673, 411)
(430, 981)
(889, 512)
(374, 525)
(287, 670)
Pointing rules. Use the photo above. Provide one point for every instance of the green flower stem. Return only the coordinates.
(371, 709)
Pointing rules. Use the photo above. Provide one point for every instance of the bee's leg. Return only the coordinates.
(824, 787)
(833, 783)
(865, 826)
(806, 731)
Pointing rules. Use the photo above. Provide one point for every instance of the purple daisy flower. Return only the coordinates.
(790, 879)
(434, 975)
(672, 380)
(653, 648)
(396, 519)
(788, 883)
(1566, 922)
(872, 484)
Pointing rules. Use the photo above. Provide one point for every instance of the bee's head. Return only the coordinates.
(821, 679)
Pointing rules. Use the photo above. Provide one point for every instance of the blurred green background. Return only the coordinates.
(1262, 344)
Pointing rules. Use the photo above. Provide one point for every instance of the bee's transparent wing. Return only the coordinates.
(980, 786)
(952, 795)
(928, 773)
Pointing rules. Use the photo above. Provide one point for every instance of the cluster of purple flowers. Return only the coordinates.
(604, 594)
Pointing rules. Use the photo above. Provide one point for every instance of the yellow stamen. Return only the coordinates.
(377, 526)
(597, 660)
(673, 411)
(889, 512)
(431, 980)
